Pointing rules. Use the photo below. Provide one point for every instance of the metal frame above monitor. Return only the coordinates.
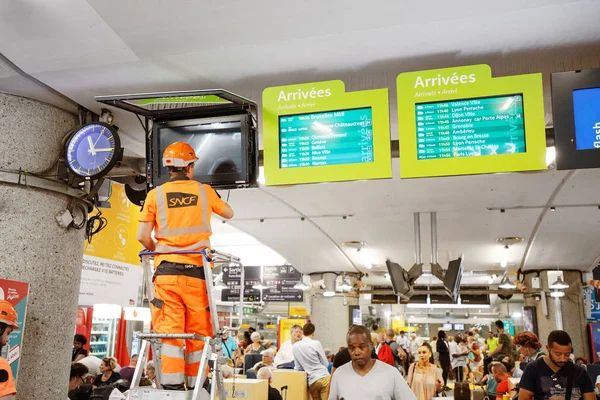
(172, 108)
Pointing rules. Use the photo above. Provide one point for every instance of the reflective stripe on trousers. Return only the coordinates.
(185, 310)
(162, 216)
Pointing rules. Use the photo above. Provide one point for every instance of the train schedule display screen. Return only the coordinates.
(463, 121)
(470, 127)
(326, 138)
(317, 132)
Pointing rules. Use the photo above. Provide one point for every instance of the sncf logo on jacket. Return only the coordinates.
(176, 200)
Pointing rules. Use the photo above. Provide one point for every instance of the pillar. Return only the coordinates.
(571, 311)
(35, 249)
(331, 317)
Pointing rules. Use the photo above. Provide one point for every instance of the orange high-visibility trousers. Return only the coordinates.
(185, 309)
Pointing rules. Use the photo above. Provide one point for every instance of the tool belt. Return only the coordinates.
(171, 268)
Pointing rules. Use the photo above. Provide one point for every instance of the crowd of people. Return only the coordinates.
(381, 364)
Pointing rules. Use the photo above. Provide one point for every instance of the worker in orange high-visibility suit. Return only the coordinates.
(8, 322)
(179, 212)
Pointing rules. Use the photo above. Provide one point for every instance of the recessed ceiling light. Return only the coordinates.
(355, 244)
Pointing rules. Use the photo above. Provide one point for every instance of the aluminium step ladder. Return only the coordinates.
(212, 345)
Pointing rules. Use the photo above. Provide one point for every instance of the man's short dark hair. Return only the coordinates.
(561, 338)
(359, 330)
(308, 329)
(78, 370)
(79, 338)
(499, 324)
(389, 333)
(401, 332)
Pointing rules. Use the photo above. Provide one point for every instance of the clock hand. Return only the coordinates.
(104, 149)
(91, 149)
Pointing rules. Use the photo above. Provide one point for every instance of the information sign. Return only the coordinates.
(281, 281)
(326, 138)
(461, 121)
(318, 132)
(232, 276)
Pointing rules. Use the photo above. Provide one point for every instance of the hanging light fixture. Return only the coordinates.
(507, 284)
(557, 294)
(259, 286)
(302, 285)
(559, 284)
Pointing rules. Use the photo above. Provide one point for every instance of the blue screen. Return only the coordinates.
(586, 109)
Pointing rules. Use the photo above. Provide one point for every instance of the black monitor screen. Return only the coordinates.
(453, 277)
(219, 146)
(397, 277)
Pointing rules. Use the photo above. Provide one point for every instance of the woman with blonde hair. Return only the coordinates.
(107, 373)
(424, 378)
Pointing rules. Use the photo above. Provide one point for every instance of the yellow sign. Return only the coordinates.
(298, 312)
(269, 326)
(245, 326)
(285, 326)
(118, 240)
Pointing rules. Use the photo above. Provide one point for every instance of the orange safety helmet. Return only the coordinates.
(179, 155)
(8, 314)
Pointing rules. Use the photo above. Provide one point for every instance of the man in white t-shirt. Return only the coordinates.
(285, 354)
(366, 378)
(458, 358)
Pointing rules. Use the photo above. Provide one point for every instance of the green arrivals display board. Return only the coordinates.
(326, 138)
(461, 121)
(316, 132)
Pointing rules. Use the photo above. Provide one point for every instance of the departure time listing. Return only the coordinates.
(470, 127)
(326, 138)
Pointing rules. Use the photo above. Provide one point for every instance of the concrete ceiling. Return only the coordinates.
(83, 49)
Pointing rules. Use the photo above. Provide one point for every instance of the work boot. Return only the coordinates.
(178, 387)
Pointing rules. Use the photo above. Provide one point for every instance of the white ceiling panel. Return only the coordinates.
(42, 35)
(568, 238)
(299, 242)
(582, 188)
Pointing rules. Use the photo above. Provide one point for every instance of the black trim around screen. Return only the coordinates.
(221, 180)
(563, 84)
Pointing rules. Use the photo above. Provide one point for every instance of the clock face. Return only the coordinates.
(92, 151)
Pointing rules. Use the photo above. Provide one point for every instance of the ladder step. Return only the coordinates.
(147, 336)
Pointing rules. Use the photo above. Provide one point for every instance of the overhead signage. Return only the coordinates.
(576, 118)
(317, 132)
(298, 312)
(281, 281)
(232, 276)
(461, 121)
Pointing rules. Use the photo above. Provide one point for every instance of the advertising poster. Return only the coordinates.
(111, 266)
(15, 293)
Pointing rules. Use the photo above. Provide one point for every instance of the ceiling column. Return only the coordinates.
(35, 249)
(571, 311)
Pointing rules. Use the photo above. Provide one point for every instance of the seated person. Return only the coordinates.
(501, 376)
(491, 382)
(107, 374)
(267, 361)
(77, 376)
(265, 373)
(127, 372)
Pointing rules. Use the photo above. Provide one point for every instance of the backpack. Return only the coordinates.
(385, 354)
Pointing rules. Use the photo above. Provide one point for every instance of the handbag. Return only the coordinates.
(462, 391)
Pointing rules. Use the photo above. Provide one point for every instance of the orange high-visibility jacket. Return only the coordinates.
(181, 210)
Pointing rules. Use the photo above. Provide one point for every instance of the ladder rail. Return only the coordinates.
(212, 345)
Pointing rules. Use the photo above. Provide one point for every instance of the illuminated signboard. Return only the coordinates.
(317, 132)
(461, 121)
